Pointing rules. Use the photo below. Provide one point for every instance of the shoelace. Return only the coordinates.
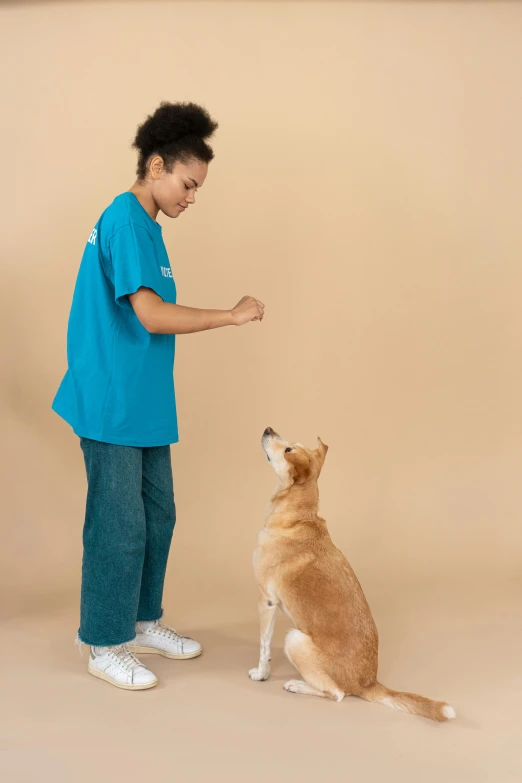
(170, 633)
(125, 658)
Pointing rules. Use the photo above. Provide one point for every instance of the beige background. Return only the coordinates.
(367, 187)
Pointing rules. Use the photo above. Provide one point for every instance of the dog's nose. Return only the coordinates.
(268, 431)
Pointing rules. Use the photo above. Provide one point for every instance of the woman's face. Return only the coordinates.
(175, 191)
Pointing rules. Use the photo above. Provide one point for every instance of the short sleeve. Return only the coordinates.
(132, 262)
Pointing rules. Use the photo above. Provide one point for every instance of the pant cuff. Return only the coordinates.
(150, 619)
(80, 639)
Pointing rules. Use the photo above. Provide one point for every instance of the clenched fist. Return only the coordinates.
(248, 309)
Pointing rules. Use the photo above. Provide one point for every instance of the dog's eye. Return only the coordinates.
(268, 458)
(287, 450)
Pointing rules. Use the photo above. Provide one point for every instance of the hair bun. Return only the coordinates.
(172, 122)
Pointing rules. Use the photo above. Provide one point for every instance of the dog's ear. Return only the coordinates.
(300, 463)
(320, 453)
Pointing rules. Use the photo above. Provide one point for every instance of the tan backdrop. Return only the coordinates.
(367, 187)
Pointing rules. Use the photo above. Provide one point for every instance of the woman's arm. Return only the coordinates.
(159, 317)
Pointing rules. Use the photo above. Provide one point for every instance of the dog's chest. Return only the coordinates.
(263, 554)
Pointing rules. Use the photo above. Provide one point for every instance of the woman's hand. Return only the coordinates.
(247, 309)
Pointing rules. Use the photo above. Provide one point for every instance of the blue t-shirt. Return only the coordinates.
(119, 386)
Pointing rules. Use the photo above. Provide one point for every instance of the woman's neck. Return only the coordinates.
(144, 196)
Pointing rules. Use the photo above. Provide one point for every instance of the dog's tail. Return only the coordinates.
(408, 702)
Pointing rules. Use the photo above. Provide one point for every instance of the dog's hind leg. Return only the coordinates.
(305, 656)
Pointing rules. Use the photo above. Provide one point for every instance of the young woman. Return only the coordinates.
(118, 396)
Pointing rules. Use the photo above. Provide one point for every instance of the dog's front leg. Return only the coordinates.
(267, 613)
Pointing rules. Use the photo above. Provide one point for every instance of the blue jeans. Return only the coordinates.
(129, 521)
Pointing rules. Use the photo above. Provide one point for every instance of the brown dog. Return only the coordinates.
(334, 643)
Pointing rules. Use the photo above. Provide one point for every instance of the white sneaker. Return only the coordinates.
(162, 640)
(121, 668)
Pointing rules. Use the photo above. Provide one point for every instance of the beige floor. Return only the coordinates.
(207, 721)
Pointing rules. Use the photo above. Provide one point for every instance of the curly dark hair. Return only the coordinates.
(176, 131)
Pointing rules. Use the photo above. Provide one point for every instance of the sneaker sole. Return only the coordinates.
(156, 651)
(102, 676)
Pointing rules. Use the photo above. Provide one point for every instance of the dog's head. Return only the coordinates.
(293, 463)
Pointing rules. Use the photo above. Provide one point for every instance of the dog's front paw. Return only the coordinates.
(259, 674)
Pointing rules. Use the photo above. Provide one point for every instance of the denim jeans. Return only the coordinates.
(129, 521)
